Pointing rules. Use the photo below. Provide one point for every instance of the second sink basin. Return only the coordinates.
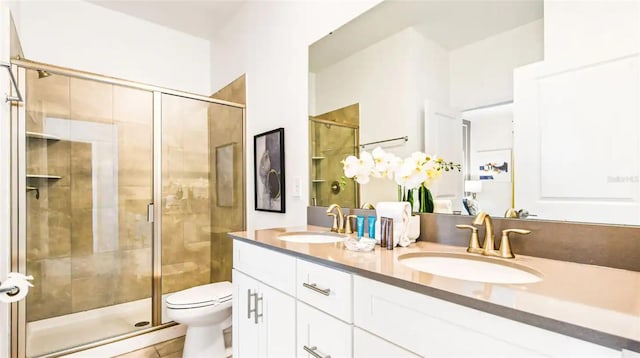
(311, 237)
(470, 268)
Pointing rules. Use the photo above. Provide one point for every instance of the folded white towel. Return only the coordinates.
(400, 212)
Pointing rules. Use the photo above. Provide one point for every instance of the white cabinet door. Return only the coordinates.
(320, 335)
(277, 321)
(245, 329)
(590, 115)
(263, 319)
(367, 345)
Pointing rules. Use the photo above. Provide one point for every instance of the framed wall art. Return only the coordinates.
(269, 177)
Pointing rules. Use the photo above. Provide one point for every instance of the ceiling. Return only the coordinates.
(201, 18)
(450, 23)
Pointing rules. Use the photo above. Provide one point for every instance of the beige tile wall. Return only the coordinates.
(226, 127)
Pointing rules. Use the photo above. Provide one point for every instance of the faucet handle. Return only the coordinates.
(347, 224)
(474, 242)
(334, 227)
(505, 244)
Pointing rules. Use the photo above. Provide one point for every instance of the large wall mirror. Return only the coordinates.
(538, 100)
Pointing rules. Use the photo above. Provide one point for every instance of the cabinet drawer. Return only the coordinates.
(273, 268)
(367, 345)
(433, 327)
(324, 288)
(321, 334)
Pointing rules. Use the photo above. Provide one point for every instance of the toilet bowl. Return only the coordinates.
(206, 311)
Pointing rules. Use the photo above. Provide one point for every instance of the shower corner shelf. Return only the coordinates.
(36, 135)
(318, 180)
(318, 158)
(43, 176)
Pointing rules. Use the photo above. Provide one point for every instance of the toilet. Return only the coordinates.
(206, 311)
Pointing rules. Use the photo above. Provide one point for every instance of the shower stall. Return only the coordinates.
(121, 194)
(333, 136)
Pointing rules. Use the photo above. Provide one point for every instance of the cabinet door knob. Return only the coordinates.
(312, 351)
(314, 287)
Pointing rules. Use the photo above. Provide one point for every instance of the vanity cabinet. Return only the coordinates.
(289, 307)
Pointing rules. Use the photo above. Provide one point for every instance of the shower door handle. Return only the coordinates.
(150, 215)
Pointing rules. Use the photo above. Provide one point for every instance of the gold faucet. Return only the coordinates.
(488, 248)
(338, 218)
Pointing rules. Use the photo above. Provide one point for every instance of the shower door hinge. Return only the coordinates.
(150, 213)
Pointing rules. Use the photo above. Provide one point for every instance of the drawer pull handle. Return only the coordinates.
(314, 287)
(258, 314)
(249, 310)
(312, 351)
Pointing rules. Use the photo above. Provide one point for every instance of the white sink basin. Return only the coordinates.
(311, 237)
(470, 268)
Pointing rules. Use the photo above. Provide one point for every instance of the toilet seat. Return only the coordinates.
(212, 294)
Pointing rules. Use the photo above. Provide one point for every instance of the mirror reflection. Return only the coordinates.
(538, 105)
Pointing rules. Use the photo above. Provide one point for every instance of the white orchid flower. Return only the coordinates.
(385, 163)
(359, 168)
(379, 160)
(392, 163)
(410, 174)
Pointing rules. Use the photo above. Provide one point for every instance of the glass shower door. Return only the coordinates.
(202, 191)
(88, 180)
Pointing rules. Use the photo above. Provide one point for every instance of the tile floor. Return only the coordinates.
(166, 349)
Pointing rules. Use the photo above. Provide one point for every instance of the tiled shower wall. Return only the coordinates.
(330, 144)
(226, 218)
(88, 240)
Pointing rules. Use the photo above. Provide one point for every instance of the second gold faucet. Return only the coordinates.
(488, 247)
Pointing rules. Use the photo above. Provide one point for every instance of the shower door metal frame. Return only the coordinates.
(18, 196)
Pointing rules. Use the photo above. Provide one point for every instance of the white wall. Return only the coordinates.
(84, 36)
(229, 51)
(5, 233)
(482, 72)
(277, 36)
(390, 80)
